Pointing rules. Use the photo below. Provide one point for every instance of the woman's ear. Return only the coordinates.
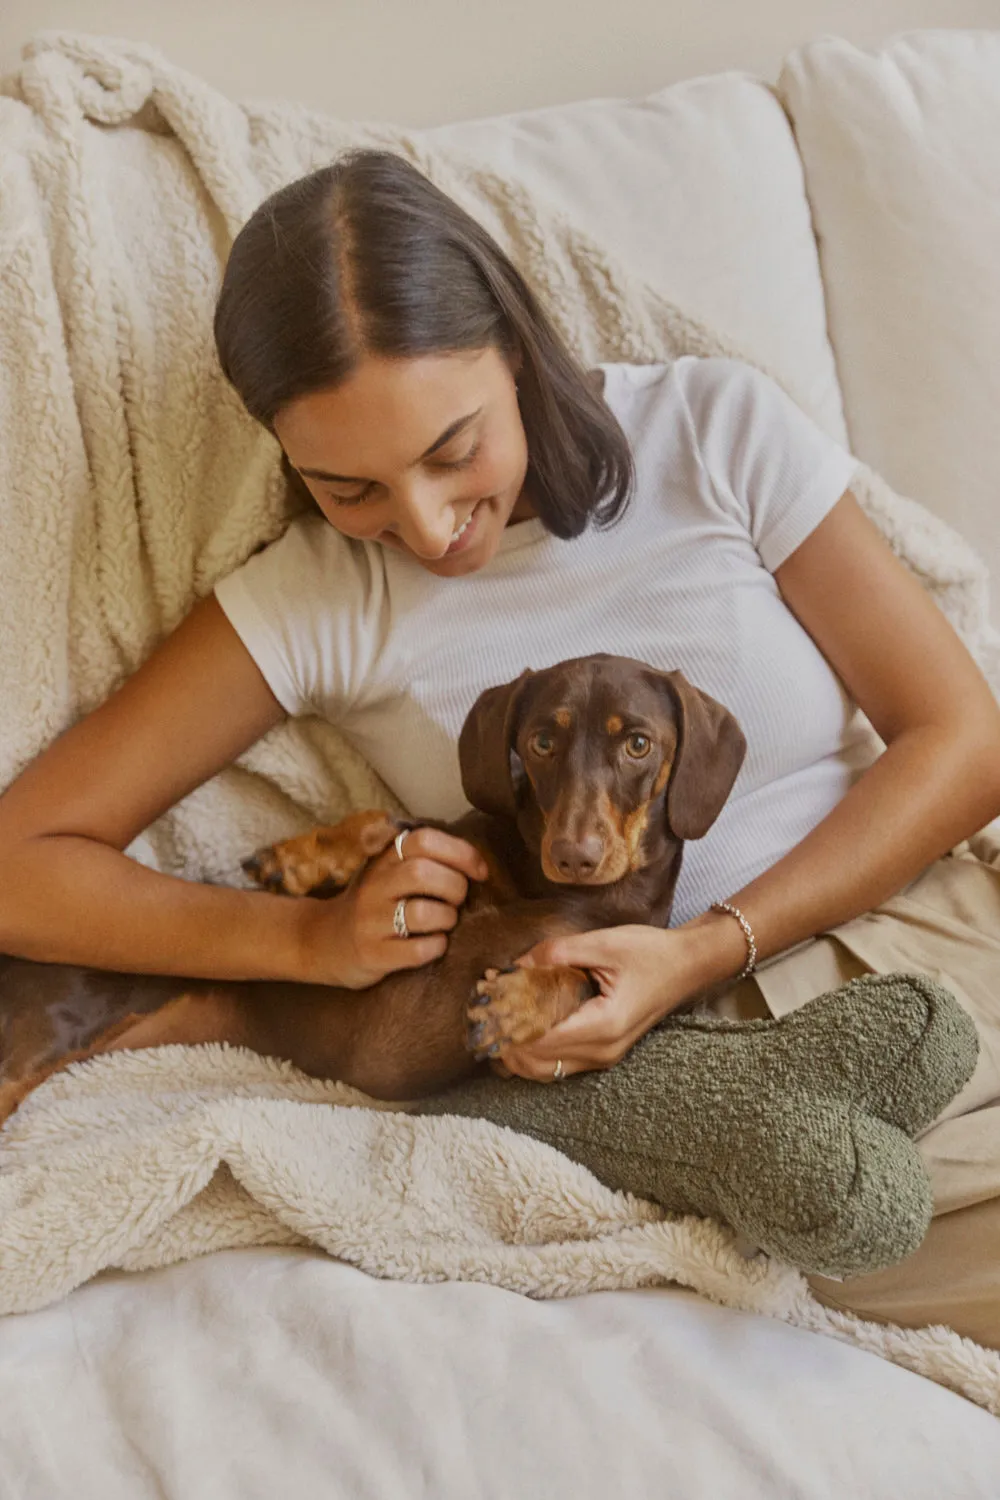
(710, 750)
(485, 745)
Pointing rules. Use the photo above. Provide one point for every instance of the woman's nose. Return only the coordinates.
(425, 523)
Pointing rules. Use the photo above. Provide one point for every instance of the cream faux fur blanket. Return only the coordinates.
(130, 480)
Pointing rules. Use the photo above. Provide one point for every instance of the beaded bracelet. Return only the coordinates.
(734, 911)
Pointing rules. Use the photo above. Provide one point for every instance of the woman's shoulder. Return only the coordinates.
(309, 563)
(709, 396)
(671, 376)
(309, 540)
(661, 396)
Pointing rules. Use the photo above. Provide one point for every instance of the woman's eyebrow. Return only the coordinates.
(446, 437)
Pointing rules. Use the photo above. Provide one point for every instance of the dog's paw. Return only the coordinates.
(322, 861)
(510, 1007)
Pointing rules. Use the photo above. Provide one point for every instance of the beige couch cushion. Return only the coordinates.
(901, 150)
(699, 189)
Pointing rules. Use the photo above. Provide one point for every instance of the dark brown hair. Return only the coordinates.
(368, 256)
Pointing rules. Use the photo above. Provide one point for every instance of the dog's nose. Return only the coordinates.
(577, 859)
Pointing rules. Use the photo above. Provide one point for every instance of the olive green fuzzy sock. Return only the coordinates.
(796, 1132)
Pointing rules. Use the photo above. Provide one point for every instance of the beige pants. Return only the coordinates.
(946, 924)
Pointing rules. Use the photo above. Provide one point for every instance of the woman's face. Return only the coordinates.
(425, 455)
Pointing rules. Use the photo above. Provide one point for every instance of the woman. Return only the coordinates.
(480, 505)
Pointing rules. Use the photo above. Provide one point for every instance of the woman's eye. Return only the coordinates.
(460, 463)
(352, 499)
(440, 463)
(638, 746)
(540, 743)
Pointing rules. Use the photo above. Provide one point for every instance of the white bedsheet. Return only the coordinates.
(268, 1374)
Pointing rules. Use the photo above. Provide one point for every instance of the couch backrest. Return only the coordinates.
(901, 151)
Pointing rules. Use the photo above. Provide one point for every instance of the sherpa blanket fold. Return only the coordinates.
(130, 480)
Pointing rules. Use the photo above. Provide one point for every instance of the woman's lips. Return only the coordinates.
(468, 537)
(467, 532)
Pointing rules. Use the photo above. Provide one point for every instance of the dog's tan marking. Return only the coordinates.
(609, 813)
(662, 777)
(635, 826)
(615, 724)
(602, 818)
(522, 1005)
(563, 718)
(609, 819)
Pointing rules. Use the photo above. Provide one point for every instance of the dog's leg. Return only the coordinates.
(323, 860)
(400, 1039)
(187, 1019)
(410, 1036)
(212, 1016)
(511, 1007)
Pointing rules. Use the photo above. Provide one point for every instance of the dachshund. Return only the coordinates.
(585, 779)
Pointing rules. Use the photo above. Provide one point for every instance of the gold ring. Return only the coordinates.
(558, 1072)
(403, 834)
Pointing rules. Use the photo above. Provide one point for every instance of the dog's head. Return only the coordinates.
(602, 761)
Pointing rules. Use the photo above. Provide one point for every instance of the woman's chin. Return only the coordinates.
(458, 564)
(474, 549)
(476, 546)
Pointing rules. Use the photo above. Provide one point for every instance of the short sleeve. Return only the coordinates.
(767, 461)
(303, 609)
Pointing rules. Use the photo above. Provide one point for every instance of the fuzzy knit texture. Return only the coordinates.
(795, 1132)
(130, 480)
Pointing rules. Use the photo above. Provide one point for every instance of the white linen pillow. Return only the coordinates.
(698, 189)
(901, 149)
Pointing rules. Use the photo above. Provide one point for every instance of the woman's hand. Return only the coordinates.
(644, 973)
(350, 940)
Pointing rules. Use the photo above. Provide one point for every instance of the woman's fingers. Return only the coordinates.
(393, 880)
(444, 849)
(428, 916)
(431, 880)
(604, 950)
(584, 950)
(417, 951)
(596, 1036)
(538, 1071)
(424, 877)
(591, 1034)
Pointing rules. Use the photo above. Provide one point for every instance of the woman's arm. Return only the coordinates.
(68, 894)
(937, 782)
(939, 778)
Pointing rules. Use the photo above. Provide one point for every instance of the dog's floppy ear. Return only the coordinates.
(485, 745)
(710, 751)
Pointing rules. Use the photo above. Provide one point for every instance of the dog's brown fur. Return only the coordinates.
(586, 778)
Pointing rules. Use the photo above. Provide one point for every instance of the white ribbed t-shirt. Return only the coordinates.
(730, 478)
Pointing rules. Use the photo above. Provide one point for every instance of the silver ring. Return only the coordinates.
(399, 926)
(403, 834)
(558, 1072)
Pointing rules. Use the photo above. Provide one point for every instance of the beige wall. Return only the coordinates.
(427, 61)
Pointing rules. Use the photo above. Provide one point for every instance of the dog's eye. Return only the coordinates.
(541, 743)
(638, 746)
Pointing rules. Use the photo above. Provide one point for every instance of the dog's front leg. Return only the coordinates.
(512, 1007)
(410, 1032)
(322, 861)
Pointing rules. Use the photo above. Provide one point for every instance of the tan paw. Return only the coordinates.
(511, 1007)
(322, 861)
